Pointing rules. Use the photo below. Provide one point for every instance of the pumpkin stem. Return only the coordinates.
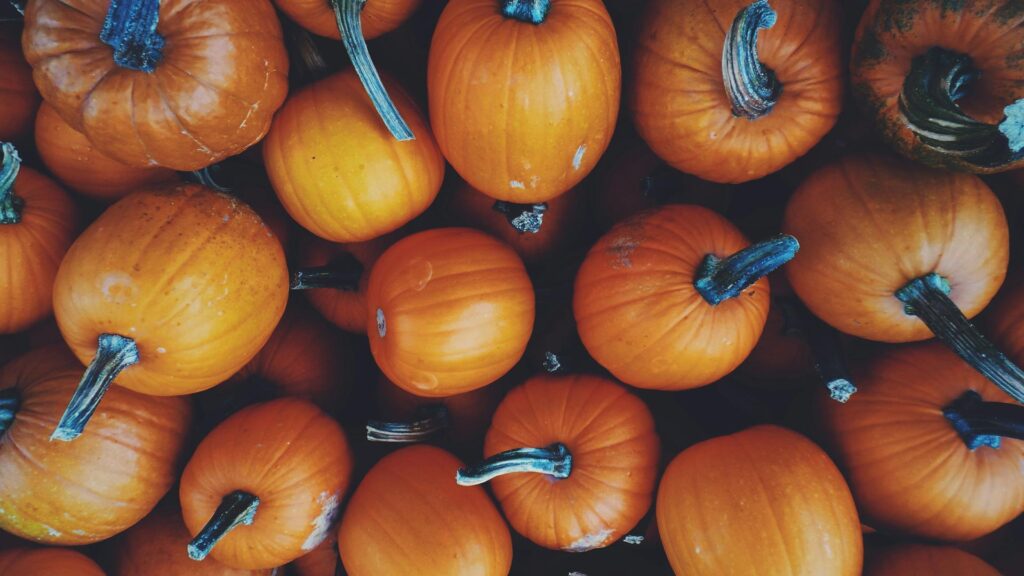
(130, 29)
(310, 64)
(435, 418)
(114, 353)
(529, 11)
(937, 79)
(205, 177)
(717, 280)
(823, 340)
(236, 509)
(552, 364)
(10, 205)
(555, 461)
(326, 277)
(10, 401)
(346, 12)
(752, 88)
(927, 298)
(981, 423)
(19, 6)
(525, 218)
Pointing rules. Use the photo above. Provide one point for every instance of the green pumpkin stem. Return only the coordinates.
(937, 79)
(326, 277)
(927, 298)
(719, 279)
(555, 461)
(205, 177)
(525, 218)
(346, 12)
(114, 353)
(823, 340)
(529, 11)
(752, 88)
(435, 418)
(981, 423)
(130, 29)
(10, 205)
(10, 401)
(236, 509)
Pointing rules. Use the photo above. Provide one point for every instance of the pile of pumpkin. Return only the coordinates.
(241, 267)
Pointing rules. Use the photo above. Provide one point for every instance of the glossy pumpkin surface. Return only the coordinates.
(48, 561)
(17, 91)
(377, 16)
(923, 560)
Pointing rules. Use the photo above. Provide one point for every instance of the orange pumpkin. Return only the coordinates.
(339, 173)
(524, 96)
(16, 89)
(409, 497)
(914, 559)
(321, 561)
(174, 84)
(674, 298)
(762, 501)
(573, 460)
(37, 225)
(734, 90)
(48, 561)
(97, 487)
(179, 287)
(265, 486)
(449, 310)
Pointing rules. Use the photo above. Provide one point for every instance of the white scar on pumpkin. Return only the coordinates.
(328, 512)
(590, 541)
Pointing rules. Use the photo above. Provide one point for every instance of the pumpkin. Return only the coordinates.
(1003, 319)
(37, 225)
(524, 98)
(734, 90)
(897, 252)
(48, 561)
(674, 298)
(16, 89)
(944, 82)
(160, 293)
(265, 486)
(70, 156)
(449, 310)
(762, 501)
(919, 447)
(409, 497)
(336, 169)
(321, 561)
(572, 459)
(912, 559)
(97, 487)
(174, 84)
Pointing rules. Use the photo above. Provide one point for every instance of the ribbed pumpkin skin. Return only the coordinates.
(17, 92)
(449, 310)
(1004, 319)
(523, 112)
(292, 456)
(408, 516)
(345, 309)
(193, 276)
(377, 16)
(48, 562)
(909, 470)
(223, 74)
(32, 249)
(868, 225)
(70, 156)
(678, 98)
(615, 451)
(339, 172)
(322, 561)
(922, 560)
(103, 482)
(762, 501)
(639, 314)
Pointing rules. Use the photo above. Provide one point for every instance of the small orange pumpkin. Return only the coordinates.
(914, 559)
(48, 561)
(17, 91)
(322, 561)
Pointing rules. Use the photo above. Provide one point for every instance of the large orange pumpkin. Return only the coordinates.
(763, 501)
(179, 287)
(265, 486)
(924, 560)
(177, 84)
(524, 95)
(98, 486)
(48, 561)
(37, 225)
(449, 310)
(718, 96)
(674, 298)
(409, 517)
(17, 92)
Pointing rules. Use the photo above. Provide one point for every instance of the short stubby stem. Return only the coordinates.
(10, 401)
(752, 88)
(236, 509)
(435, 419)
(10, 205)
(555, 461)
(719, 279)
(529, 11)
(525, 218)
(552, 363)
(981, 423)
(130, 29)
(326, 277)
(826, 349)
(114, 353)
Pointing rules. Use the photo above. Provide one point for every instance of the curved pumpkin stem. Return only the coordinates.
(529, 11)
(436, 418)
(114, 353)
(205, 177)
(555, 461)
(10, 205)
(981, 423)
(717, 280)
(10, 401)
(236, 509)
(346, 12)
(130, 29)
(326, 277)
(931, 89)
(823, 340)
(752, 88)
(525, 218)
(927, 298)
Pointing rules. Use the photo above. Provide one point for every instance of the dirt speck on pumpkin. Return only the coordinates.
(621, 250)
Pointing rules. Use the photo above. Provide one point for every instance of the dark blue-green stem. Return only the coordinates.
(10, 401)
(236, 509)
(823, 340)
(981, 423)
(554, 461)
(346, 12)
(434, 419)
(752, 88)
(326, 277)
(525, 218)
(928, 298)
(10, 205)
(529, 11)
(208, 177)
(114, 353)
(718, 280)
(130, 29)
